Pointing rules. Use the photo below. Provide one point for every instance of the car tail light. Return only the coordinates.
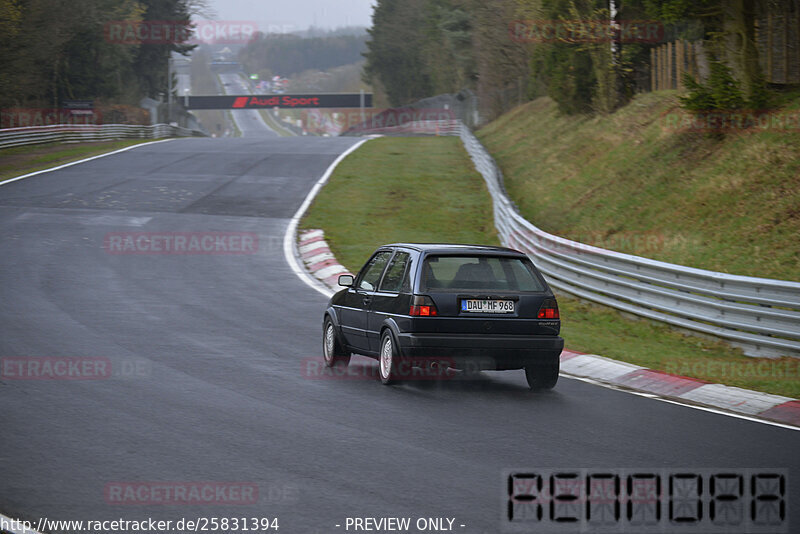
(548, 310)
(422, 306)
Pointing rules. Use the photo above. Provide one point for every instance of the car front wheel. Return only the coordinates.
(332, 351)
(387, 363)
(542, 376)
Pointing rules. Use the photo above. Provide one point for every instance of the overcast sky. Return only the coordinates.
(293, 15)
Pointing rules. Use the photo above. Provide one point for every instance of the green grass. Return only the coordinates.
(402, 189)
(629, 183)
(22, 160)
(426, 189)
(274, 124)
(236, 131)
(600, 330)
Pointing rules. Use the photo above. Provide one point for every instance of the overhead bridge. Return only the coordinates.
(298, 101)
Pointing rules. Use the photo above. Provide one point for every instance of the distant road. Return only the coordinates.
(249, 121)
(183, 85)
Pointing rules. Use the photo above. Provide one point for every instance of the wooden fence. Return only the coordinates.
(777, 37)
(670, 61)
(778, 41)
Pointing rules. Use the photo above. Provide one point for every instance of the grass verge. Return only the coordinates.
(632, 182)
(274, 124)
(402, 189)
(24, 159)
(426, 189)
(235, 127)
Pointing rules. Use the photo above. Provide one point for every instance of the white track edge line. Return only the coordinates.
(289, 237)
(71, 163)
(676, 401)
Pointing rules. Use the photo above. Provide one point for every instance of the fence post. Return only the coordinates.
(661, 58)
(670, 80)
(786, 47)
(658, 68)
(653, 66)
(769, 46)
(679, 62)
(689, 61)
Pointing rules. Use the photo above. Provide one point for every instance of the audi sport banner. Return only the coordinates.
(334, 100)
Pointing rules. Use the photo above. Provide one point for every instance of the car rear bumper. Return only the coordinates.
(483, 351)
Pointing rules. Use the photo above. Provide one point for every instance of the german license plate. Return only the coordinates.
(487, 306)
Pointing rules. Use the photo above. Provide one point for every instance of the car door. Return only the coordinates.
(358, 300)
(391, 298)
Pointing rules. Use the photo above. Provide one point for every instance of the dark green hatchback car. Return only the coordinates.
(465, 307)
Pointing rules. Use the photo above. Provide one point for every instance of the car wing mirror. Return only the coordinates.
(346, 280)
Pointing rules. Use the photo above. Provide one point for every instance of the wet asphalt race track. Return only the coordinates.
(210, 379)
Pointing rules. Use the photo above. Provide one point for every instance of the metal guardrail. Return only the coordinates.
(73, 133)
(411, 127)
(760, 315)
(422, 127)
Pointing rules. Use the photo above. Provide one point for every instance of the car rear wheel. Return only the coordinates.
(542, 376)
(387, 361)
(332, 351)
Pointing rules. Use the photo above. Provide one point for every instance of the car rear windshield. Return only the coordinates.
(491, 273)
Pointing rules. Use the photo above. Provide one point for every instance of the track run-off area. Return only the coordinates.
(204, 367)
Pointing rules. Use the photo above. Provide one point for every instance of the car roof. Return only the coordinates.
(455, 248)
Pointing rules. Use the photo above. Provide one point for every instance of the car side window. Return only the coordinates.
(395, 273)
(373, 270)
(406, 287)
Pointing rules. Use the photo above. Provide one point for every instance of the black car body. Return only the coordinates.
(463, 306)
